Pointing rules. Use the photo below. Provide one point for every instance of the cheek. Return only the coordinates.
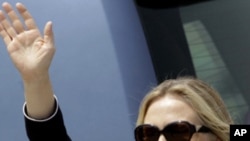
(203, 137)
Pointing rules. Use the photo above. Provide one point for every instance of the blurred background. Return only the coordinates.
(111, 53)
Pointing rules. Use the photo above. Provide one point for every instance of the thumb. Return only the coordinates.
(48, 33)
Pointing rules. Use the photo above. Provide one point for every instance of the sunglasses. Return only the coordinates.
(176, 131)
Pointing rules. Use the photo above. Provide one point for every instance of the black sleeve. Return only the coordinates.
(50, 130)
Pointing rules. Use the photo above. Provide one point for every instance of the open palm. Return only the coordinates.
(30, 52)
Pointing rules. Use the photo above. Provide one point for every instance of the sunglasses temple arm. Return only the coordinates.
(203, 129)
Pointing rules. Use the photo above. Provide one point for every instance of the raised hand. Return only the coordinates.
(30, 51)
(32, 54)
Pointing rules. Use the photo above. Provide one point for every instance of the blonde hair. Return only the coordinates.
(203, 99)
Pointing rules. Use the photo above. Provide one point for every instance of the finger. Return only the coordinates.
(6, 25)
(16, 23)
(29, 21)
(5, 35)
(48, 33)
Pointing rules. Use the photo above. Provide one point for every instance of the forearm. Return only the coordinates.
(43, 117)
(39, 96)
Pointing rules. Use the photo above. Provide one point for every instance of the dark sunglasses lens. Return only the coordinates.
(177, 132)
(146, 133)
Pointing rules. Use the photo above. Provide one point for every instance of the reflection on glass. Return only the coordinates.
(210, 67)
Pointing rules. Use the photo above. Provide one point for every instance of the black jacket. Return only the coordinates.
(49, 130)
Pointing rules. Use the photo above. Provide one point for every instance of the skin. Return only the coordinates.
(172, 108)
(31, 53)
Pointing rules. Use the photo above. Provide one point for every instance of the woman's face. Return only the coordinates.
(172, 108)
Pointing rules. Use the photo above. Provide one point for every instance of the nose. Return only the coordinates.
(162, 138)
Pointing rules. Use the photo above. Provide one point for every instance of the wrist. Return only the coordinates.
(39, 96)
(36, 79)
